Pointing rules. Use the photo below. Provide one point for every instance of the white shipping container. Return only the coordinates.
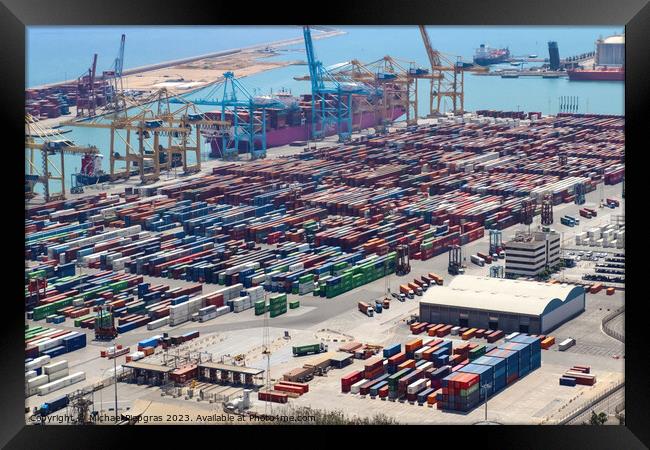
(178, 321)
(454, 331)
(208, 316)
(30, 374)
(510, 336)
(37, 381)
(158, 323)
(55, 367)
(61, 383)
(222, 310)
(207, 310)
(416, 386)
(418, 353)
(356, 387)
(37, 362)
(565, 344)
(58, 375)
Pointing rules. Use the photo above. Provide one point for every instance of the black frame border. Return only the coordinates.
(17, 14)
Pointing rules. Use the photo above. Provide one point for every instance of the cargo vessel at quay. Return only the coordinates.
(293, 122)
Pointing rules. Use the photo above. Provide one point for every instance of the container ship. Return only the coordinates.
(293, 122)
(486, 56)
(597, 74)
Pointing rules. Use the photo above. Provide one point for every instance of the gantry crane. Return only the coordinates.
(447, 78)
(118, 103)
(52, 143)
(331, 98)
(389, 86)
(399, 88)
(182, 128)
(246, 114)
(86, 96)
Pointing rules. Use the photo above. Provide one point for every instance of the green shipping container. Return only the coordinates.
(294, 304)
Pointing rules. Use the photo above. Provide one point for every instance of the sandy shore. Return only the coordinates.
(184, 76)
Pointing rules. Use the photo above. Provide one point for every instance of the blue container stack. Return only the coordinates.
(499, 370)
(74, 342)
(535, 344)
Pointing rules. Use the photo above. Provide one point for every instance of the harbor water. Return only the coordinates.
(58, 53)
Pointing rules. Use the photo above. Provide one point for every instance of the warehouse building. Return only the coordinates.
(529, 254)
(610, 51)
(502, 304)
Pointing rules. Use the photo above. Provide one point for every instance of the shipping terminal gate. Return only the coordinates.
(502, 304)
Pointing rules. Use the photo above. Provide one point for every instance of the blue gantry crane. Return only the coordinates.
(331, 97)
(245, 112)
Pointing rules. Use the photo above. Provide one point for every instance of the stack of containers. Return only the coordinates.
(241, 304)
(277, 305)
(60, 383)
(535, 349)
(499, 370)
(207, 313)
(460, 392)
(55, 371)
(512, 362)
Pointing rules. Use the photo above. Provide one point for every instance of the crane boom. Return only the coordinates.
(434, 55)
(119, 62)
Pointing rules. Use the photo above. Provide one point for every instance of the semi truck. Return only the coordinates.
(436, 278)
(477, 260)
(384, 302)
(378, 307)
(406, 290)
(302, 350)
(567, 221)
(585, 213)
(415, 288)
(366, 309)
(486, 258)
(53, 405)
(422, 283)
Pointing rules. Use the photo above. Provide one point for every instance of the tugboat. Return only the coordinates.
(486, 56)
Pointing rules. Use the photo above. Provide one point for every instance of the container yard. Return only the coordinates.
(331, 270)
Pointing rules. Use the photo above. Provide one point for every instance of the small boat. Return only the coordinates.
(532, 55)
(550, 75)
(509, 75)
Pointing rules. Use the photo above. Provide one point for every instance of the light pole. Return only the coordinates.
(486, 386)
(101, 392)
(115, 382)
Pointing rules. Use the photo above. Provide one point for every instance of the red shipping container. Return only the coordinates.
(349, 379)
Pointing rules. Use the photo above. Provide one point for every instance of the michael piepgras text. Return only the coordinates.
(61, 419)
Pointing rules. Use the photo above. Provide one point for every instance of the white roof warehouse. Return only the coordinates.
(497, 303)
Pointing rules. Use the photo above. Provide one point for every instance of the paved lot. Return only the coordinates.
(242, 333)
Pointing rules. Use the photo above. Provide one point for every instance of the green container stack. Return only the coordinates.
(357, 276)
(260, 307)
(78, 320)
(119, 286)
(41, 312)
(278, 305)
